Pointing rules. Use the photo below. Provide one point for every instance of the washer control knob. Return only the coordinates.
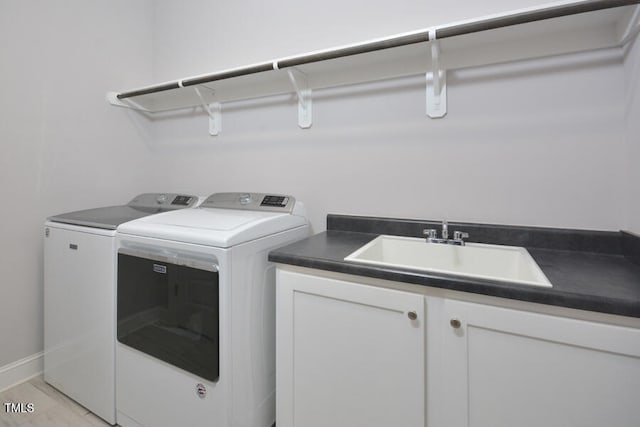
(161, 199)
(245, 199)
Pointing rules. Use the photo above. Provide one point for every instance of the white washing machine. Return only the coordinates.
(79, 298)
(196, 312)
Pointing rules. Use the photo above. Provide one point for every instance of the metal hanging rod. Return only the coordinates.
(193, 81)
(420, 37)
(284, 63)
(405, 40)
(254, 69)
(531, 16)
(148, 90)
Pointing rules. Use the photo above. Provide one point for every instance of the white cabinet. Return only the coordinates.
(502, 367)
(348, 354)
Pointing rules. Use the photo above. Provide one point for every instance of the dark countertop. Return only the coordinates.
(593, 281)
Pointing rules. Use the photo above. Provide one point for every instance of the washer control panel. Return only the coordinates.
(163, 200)
(250, 201)
(276, 201)
(182, 200)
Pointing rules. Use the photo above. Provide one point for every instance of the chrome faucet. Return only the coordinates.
(432, 235)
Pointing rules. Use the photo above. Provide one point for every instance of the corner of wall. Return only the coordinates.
(632, 135)
(21, 370)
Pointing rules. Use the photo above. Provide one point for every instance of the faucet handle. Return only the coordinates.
(459, 235)
(431, 233)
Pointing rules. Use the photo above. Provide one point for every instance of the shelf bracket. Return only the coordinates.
(112, 98)
(214, 110)
(436, 94)
(303, 91)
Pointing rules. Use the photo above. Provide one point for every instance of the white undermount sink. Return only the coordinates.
(493, 262)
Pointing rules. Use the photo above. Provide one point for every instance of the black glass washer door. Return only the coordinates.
(170, 312)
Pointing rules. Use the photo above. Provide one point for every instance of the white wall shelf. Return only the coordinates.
(553, 29)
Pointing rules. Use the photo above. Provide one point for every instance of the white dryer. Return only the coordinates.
(196, 312)
(79, 298)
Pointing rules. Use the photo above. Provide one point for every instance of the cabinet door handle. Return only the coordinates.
(412, 315)
(455, 323)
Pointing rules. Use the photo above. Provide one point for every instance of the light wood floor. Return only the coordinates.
(51, 408)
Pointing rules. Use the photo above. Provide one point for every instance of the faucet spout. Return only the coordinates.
(445, 229)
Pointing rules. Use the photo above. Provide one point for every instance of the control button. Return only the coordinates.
(275, 201)
(181, 201)
(161, 199)
(245, 199)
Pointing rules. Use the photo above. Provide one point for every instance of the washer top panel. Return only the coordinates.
(111, 217)
(221, 226)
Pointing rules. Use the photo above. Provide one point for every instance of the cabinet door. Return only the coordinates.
(348, 354)
(504, 367)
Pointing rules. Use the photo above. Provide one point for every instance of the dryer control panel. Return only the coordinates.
(251, 201)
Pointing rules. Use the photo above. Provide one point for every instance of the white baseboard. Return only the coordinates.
(21, 370)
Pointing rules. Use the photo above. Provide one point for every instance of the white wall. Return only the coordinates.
(632, 103)
(60, 140)
(538, 143)
(535, 143)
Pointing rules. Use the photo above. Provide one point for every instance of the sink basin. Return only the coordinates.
(493, 262)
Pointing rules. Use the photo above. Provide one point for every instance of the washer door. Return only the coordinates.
(168, 309)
